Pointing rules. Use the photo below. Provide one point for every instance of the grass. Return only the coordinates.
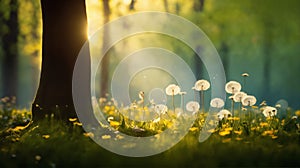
(234, 143)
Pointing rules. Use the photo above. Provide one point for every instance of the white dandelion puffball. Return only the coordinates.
(217, 103)
(232, 87)
(223, 114)
(161, 109)
(172, 90)
(201, 85)
(192, 106)
(269, 111)
(238, 96)
(248, 100)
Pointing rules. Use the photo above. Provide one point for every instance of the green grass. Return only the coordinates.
(53, 143)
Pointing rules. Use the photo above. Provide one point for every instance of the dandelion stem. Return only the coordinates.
(182, 102)
(232, 107)
(202, 100)
(173, 101)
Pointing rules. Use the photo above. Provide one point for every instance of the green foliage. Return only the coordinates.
(249, 141)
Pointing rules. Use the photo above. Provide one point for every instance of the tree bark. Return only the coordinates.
(10, 48)
(64, 33)
(105, 62)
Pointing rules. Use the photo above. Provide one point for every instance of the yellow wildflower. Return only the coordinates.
(106, 137)
(46, 136)
(238, 132)
(193, 129)
(226, 140)
(224, 133)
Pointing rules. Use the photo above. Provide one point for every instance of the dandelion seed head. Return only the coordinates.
(192, 106)
(245, 75)
(172, 89)
(232, 87)
(161, 109)
(217, 103)
(269, 111)
(238, 96)
(202, 85)
(248, 100)
(224, 114)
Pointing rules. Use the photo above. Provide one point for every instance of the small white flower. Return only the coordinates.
(269, 111)
(217, 103)
(192, 106)
(248, 100)
(232, 87)
(223, 114)
(294, 117)
(238, 96)
(172, 90)
(161, 109)
(202, 85)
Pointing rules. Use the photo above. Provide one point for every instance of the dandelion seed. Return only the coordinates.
(172, 90)
(248, 100)
(233, 87)
(269, 111)
(238, 96)
(161, 109)
(202, 85)
(217, 103)
(223, 114)
(192, 106)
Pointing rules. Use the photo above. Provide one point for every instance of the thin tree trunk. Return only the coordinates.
(225, 58)
(10, 47)
(105, 62)
(64, 33)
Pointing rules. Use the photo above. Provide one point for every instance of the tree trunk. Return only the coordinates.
(64, 33)
(105, 62)
(10, 48)
(225, 58)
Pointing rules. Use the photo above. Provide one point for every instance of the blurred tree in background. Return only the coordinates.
(261, 38)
